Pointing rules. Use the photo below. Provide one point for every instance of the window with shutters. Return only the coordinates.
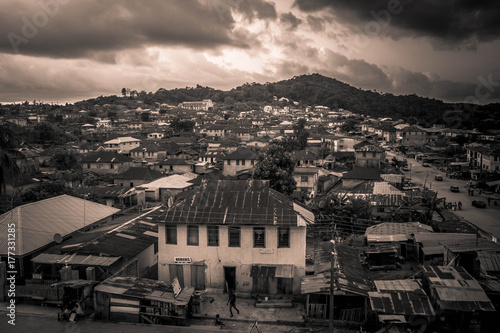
(283, 237)
(259, 237)
(212, 235)
(234, 237)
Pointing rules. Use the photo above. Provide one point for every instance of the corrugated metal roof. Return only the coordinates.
(490, 261)
(74, 259)
(455, 289)
(37, 222)
(349, 274)
(414, 303)
(144, 289)
(173, 182)
(235, 202)
(477, 244)
(394, 232)
(385, 188)
(397, 285)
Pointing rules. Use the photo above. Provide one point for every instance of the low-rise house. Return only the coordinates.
(205, 105)
(368, 155)
(359, 175)
(106, 163)
(236, 235)
(122, 145)
(240, 160)
(398, 234)
(456, 296)
(130, 247)
(350, 281)
(136, 176)
(147, 301)
(149, 152)
(306, 178)
(163, 188)
(62, 215)
(176, 166)
(304, 158)
(400, 302)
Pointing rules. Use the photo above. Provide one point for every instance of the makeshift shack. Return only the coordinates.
(397, 234)
(350, 286)
(143, 301)
(403, 302)
(381, 257)
(458, 299)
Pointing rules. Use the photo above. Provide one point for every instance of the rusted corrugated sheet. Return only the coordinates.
(234, 202)
(414, 303)
(490, 261)
(454, 289)
(73, 259)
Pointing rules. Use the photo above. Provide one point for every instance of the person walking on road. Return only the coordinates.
(232, 303)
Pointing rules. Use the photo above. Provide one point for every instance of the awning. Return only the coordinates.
(280, 271)
(263, 271)
(284, 271)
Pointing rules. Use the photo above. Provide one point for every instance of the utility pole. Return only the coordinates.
(332, 287)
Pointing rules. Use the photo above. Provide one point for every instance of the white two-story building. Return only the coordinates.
(237, 235)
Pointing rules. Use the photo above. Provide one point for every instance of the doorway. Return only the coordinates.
(229, 278)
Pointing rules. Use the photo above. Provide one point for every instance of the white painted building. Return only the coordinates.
(240, 235)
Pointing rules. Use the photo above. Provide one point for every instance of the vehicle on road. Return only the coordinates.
(439, 178)
(426, 165)
(454, 189)
(405, 168)
(479, 204)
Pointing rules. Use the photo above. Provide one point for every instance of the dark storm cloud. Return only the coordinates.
(317, 24)
(452, 21)
(73, 29)
(252, 9)
(291, 20)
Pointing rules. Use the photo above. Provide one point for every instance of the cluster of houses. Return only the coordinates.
(179, 213)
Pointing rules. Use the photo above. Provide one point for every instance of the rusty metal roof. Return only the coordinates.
(410, 303)
(397, 285)
(490, 261)
(144, 289)
(250, 202)
(454, 289)
(349, 275)
(74, 259)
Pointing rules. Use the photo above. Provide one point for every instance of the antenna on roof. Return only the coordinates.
(57, 238)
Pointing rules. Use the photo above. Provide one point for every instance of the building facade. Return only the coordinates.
(236, 235)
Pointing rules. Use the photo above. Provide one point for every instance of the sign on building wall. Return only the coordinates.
(182, 260)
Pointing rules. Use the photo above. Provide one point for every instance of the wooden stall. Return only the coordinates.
(143, 301)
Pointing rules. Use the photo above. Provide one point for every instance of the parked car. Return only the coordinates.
(426, 165)
(405, 168)
(438, 178)
(479, 204)
(454, 189)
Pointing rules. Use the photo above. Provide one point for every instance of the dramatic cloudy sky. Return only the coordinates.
(67, 50)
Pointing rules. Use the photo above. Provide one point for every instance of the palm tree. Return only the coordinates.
(9, 169)
(431, 201)
(410, 202)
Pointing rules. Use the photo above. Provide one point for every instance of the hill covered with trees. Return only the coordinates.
(316, 89)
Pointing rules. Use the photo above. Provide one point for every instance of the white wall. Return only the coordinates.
(216, 257)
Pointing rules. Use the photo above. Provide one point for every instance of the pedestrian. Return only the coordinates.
(232, 303)
(459, 205)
